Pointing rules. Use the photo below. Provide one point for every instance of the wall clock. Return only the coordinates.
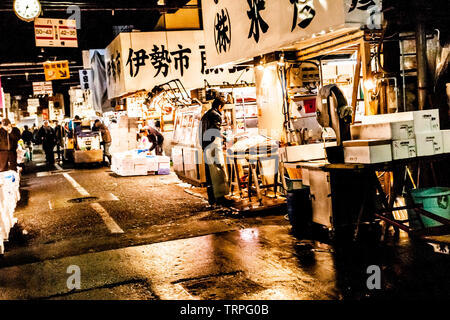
(27, 10)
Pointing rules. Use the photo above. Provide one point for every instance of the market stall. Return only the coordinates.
(320, 84)
(173, 64)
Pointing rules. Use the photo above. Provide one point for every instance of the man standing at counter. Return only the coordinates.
(211, 142)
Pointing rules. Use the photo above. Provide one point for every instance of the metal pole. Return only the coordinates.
(421, 51)
(403, 75)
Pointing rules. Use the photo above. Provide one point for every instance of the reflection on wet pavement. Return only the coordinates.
(259, 263)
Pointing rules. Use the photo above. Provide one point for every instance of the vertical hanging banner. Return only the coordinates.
(56, 70)
(55, 33)
(238, 30)
(86, 79)
(2, 106)
(142, 60)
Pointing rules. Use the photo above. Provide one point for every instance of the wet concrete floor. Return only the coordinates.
(173, 246)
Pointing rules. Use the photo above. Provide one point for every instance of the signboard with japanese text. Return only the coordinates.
(55, 33)
(238, 30)
(85, 79)
(42, 87)
(56, 70)
(141, 60)
(1, 95)
(7, 100)
(33, 104)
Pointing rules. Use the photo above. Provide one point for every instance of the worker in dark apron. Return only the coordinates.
(211, 141)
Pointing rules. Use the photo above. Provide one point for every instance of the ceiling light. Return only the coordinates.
(260, 66)
(281, 62)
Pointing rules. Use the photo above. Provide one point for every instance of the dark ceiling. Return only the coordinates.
(100, 21)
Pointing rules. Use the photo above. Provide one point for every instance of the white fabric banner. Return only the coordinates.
(238, 30)
(142, 60)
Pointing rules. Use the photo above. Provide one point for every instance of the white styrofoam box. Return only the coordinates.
(140, 161)
(152, 164)
(429, 143)
(424, 120)
(397, 130)
(164, 165)
(125, 173)
(163, 159)
(306, 152)
(446, 140)
(403, 149)
(140, 169)
(367, 151)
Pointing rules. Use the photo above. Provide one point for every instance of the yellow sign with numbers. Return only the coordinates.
(56, 70)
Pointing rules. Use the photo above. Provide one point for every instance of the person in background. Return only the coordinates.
(48, 139)
(9, 139)
(74, 126)
(27, 137)
(106, 139)
(35, 132)
(59, 134)
(143, 142)
(156, 138)
(211, 142)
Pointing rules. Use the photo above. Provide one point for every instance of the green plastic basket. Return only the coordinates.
(435, 200)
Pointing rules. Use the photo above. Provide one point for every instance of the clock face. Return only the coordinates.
(27, 10)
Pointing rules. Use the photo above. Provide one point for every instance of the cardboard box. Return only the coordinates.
(446, 140)
(398, 130)
(404, 149)
(424, 120)
(367, 151)
(429, 143)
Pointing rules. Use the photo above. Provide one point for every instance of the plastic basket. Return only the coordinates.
(435, 200)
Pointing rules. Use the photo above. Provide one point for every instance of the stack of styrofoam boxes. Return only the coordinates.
(9, 196)
(133, 164)
(123, 164)
(400, 135)
(152, 164)
(426, 136)
(123, 136)
(140, 166)
(163, 164)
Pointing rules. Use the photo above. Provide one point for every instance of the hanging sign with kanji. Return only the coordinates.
(238, 30)
(55, 33)
(85, 79)
(56, 70)
(142, 60)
